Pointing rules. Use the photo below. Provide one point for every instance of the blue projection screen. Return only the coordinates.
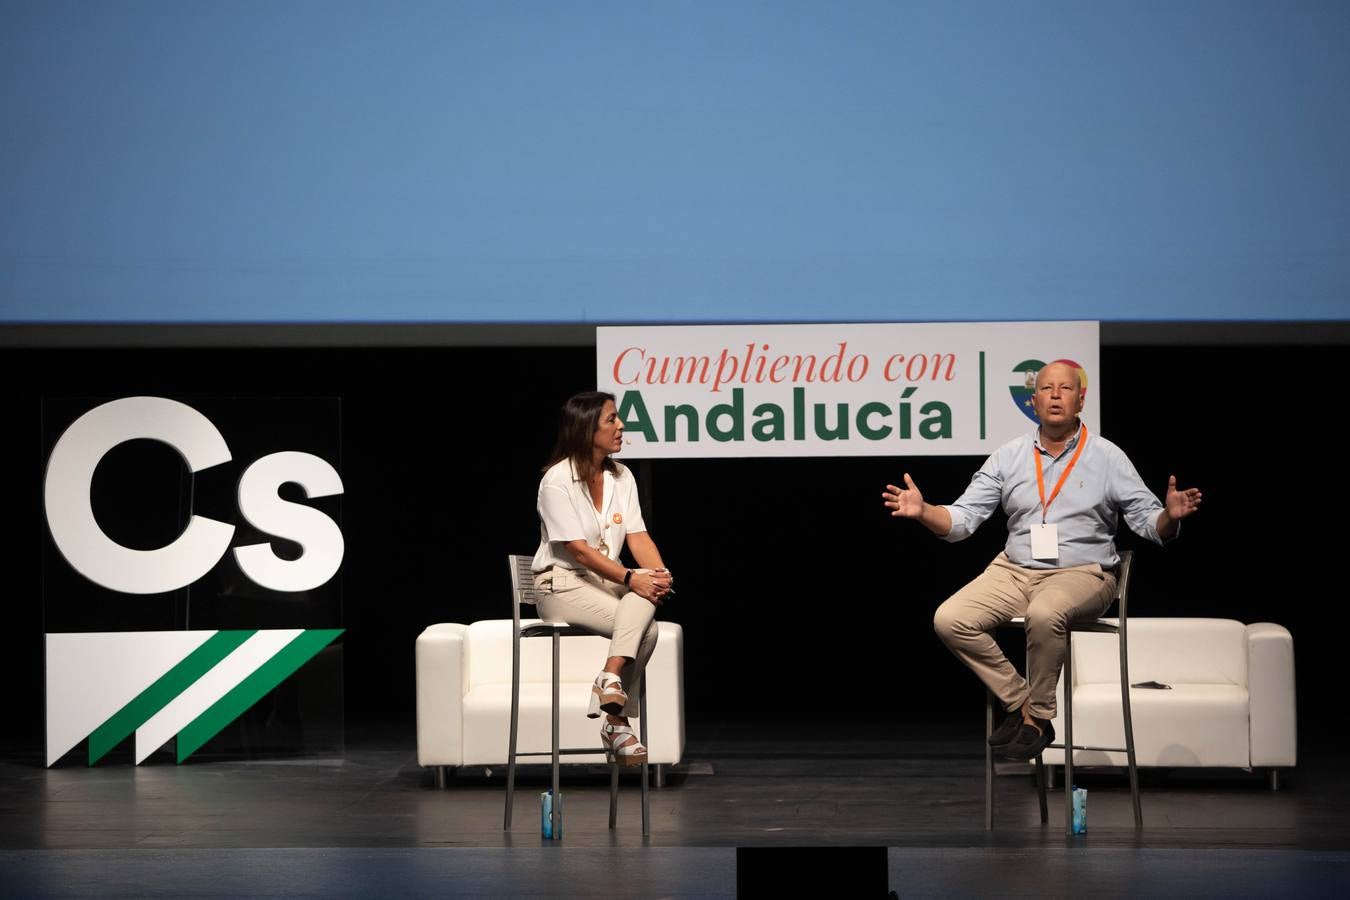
(543, 162)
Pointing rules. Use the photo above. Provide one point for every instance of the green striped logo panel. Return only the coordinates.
(168, 686)
(253, 688)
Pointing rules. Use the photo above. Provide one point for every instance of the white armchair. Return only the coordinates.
(1231, 701)
(464, 695)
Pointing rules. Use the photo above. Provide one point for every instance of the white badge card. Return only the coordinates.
(1044, 541)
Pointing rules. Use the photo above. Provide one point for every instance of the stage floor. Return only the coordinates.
(160, 829)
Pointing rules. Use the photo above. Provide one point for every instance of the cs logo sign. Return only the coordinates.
(70, 516)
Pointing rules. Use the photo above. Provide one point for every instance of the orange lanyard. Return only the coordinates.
(1040, 478)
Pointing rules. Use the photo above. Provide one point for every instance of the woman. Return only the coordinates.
(588, 506)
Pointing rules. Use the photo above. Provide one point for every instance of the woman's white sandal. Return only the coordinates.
(607, 694)
(623, 745)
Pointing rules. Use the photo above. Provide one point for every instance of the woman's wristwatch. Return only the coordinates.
(627, 576)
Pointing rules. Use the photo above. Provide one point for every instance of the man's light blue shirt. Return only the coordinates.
(1102, 484)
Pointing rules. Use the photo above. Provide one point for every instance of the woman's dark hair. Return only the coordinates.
(577, 423)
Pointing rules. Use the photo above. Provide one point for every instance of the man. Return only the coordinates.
(1062, 489)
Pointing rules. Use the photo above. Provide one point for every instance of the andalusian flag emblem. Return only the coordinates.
(155, 685)
(1026, 386)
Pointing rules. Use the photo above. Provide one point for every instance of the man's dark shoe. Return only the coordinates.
(1029, 742)
(1007, 730)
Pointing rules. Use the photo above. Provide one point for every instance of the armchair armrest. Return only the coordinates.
(440, 695)
(665, 695)
(1270, 686)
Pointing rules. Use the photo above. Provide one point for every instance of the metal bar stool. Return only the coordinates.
(523, 591)
(1100, 626)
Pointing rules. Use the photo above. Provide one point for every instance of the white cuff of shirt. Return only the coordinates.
(958, 532)
(1158, 531)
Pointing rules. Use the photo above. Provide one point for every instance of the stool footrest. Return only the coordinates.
(1085, 747)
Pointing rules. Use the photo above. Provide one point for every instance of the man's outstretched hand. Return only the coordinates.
(906, 501)
(1180, 504)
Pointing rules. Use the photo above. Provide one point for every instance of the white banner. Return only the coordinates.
(834, 390)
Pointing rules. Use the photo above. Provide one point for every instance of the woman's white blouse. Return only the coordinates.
(566, 513)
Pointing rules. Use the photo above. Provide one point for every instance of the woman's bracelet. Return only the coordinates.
(627, 576)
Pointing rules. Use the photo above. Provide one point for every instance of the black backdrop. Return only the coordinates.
(794, 583)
